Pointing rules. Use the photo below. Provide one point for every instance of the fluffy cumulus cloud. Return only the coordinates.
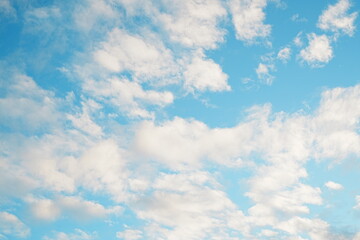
(204, 74)
(318, 52)
(128, 96)
(194, 23)
(12, 226)
(337, 19)
(190, 206)
(248, 18)
(182, 143)
(144, 57)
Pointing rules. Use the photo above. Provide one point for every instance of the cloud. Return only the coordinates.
(336, 121)
(297, 40)
(316, 229)
(195, 209)
(129, 234)
(357, 205)
(337, 19)
(333, 185)
(77, 235)
(284, 54)
(10, 225)
(182, 143)
(87, 15)
(263, 73)
(204, 74)
(26, 106)
(75, 207)
(248, 18)
(64, 162)
(98, 169)
(128, 96)
(145, 57)
(83, 120)
(296, 18)
(318, 52)
(194, 24)
(284, 142)
(6, 9)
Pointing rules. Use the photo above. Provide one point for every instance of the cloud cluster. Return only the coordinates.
(104, 138)
(337, 19)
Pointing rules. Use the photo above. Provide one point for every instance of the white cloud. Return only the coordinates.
(337, 19)
(297, 40)
(28, 106)
(357, 205)
(316, 229)
(44, 209)
(194, 23)
(284, 54)
(84, 209)
(10, 225)
(77, 235)
(204, 74)
(129, 234)
(144, 57)
(87, 15)
(189, 206)
(98, 169)
(75, 207)
(333, 185)
(318, 52)
(184, 143)
(357, 236)
(263, 73)
(268, 233)
(84, 119)
(65, 162)
(127, 95)
(248, 18)
(336, 122)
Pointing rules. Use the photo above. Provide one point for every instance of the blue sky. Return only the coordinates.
(179, 119)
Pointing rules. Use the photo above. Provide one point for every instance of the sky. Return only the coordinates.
(179, 120)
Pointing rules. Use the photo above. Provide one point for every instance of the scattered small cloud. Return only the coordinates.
(297, 18)
(284, 54)
(318, 52)
(263, 73)
(333, 185)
